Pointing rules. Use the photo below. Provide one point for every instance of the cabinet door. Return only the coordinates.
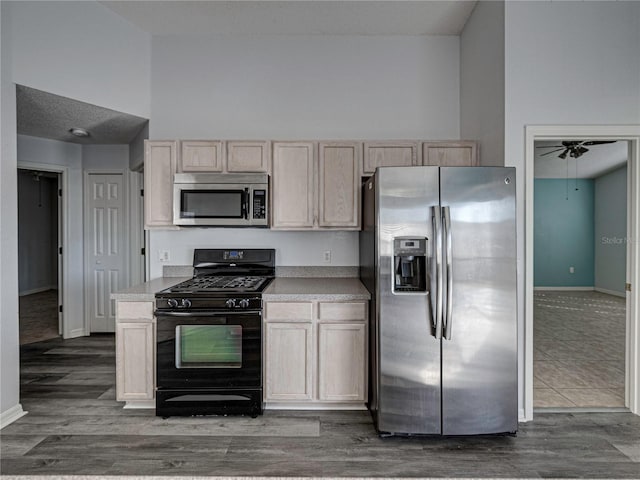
(201, 156)
(248, 156)
(135, 348)
(159, 167)
(339, 166)
(292, 205)
(288, 361)
(390, 154)
(341, 361)
(450, 154)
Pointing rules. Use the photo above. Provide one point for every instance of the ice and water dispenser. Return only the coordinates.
(410, 265)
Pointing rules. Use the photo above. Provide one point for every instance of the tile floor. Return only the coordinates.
(579, 348)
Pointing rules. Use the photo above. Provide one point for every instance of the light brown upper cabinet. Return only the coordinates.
(316, 193)
(456, 153)
(339, 165)
(212, 156)
(200, 156)
(292, 195)
(247, 156)
(159, 167)
(402, 153)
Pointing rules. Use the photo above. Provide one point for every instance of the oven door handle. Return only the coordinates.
(207, 314)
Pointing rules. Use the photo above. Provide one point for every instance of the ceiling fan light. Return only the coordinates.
(563, 155)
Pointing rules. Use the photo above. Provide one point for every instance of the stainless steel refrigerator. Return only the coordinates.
(438, 255)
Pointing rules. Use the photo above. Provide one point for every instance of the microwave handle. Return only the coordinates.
(245, 204)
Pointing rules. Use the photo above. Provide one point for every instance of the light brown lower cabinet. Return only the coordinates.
(289, 350)
(341, 362)
(316, 354)
(135, 351)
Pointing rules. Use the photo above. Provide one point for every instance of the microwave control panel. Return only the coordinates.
(259, 204)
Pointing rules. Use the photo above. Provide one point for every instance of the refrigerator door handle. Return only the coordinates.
(436, 220)
(446, 214)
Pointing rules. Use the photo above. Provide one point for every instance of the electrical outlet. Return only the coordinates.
(327, 256)
(572, 270)
(163, 255)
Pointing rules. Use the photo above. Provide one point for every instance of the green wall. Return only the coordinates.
(564, 233)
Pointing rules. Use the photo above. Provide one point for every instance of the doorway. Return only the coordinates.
(39, 258)
(631, 138)
(580, 227)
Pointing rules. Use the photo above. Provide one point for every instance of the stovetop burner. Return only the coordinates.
(220, 283)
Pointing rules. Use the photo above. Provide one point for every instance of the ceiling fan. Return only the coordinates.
(574, 148)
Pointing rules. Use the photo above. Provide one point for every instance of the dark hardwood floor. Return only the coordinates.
(75, 427)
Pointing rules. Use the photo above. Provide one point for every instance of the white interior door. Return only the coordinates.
(106, 247)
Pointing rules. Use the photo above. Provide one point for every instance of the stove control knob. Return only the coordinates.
(231, 303)
(186, 303)
(244, 303)
(172, 302)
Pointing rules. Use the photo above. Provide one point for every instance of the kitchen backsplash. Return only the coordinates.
(304, 271)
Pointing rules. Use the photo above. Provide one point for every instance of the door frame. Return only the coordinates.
(87, 229)
(63, 235)
(630, 133)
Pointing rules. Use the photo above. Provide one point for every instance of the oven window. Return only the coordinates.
(211, 204)
(208, 346)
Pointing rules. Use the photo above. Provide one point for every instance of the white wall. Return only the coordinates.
(611, 231)
(292, 248)
(79, 50)
(96, 157)
(298, 87)
(566, 63)
(9, 352)
(295, 87)
(84, 51)
(482, 81)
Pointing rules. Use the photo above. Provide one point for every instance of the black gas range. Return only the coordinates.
(209, 335)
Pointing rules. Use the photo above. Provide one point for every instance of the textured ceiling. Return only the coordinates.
(42, 114)
(599, 160)
(310, 17)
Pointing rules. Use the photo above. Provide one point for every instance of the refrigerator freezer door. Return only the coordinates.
(409, 353)
(479, 362)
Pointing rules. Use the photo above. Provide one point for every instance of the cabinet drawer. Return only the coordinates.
(134, 310)
(342, 311)
(288, 311)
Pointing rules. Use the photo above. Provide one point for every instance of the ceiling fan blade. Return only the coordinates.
(552, 151)
(580, 149)
(598, 142)
(570, 143)
(552, 146)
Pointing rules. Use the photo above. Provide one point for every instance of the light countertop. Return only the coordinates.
(327, 288)
(145, 292)
(281, 289)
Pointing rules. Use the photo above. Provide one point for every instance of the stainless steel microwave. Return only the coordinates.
(221, 199)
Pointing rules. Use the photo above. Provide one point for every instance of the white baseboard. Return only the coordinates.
(134, 404)
(9, 416)
(610, 292)
(565, 289)
(522, 418)
(75, 333)
(37, 290)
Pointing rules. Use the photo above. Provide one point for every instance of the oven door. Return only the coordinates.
(209, 350)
